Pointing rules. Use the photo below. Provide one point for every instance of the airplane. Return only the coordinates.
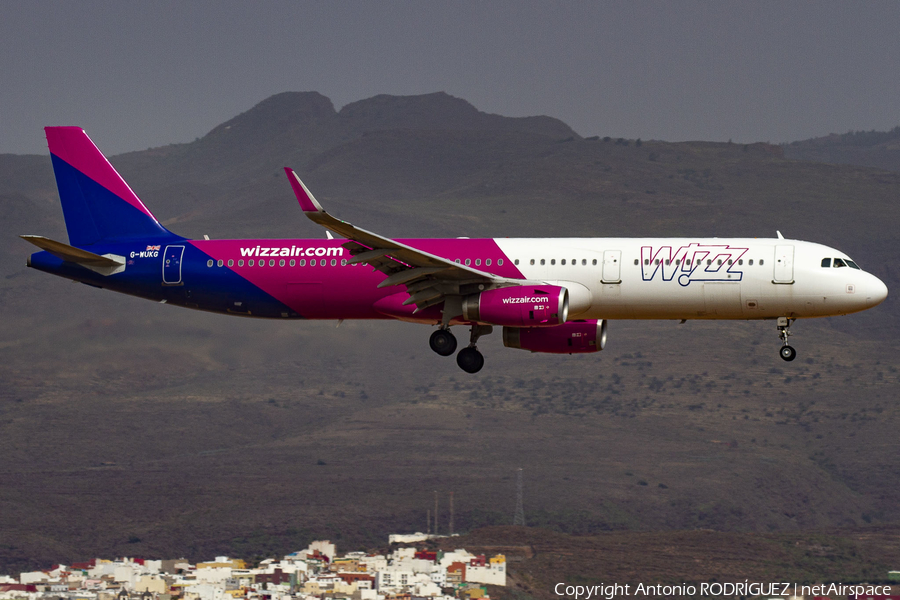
(551, 295)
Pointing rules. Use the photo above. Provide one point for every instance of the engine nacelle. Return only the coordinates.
(576, 337)
(519, 306)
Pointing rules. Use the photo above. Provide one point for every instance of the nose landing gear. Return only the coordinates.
(787, 352)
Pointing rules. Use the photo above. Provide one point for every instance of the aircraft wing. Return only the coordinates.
(428, 278)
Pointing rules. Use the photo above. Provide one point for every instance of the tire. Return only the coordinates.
(787, 353)
(443, 342)
(470, 360)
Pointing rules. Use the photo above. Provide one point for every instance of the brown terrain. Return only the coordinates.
(682, 451)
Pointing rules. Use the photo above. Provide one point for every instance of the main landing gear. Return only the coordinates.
(784, 331)
(443, 342)
(469, 358)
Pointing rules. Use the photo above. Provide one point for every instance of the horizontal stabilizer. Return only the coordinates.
(108, 264)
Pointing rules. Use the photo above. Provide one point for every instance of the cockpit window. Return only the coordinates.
(852, 265)
(826, 262)
(839, 263)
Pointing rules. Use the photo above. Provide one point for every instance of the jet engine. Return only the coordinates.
(575, 337)
(519, 306)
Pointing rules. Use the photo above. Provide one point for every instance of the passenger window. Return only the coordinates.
(468, 261)
(552, 261)
(668, 262)
(708, 261)
(563, 261)
(656, 262)
(595, 261)
(499, 262)
(271, 262)
(646, 261)
(343, 262)
(760, 262)
(250, 262)
(542, 262)
(730, 262)
(532, 261)
(583, 261)
(741, 261)
(826, 262)
(750, 262)
(515, 262)
(230, 263)
(487, 263)
(635, 261)
(719, 261)
(293, 262)
(220, 262)
(241, 263)
(302, 262)
(478, 262)
(281, 263)
(457, 261)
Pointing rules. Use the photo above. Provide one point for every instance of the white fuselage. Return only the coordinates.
(689, 278)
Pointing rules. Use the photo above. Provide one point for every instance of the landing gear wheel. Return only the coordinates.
(443, 342)
(788, 353)
(470, 360)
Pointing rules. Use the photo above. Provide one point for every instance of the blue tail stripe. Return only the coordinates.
(95, 214)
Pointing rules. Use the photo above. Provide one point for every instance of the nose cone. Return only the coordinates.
(876, 292)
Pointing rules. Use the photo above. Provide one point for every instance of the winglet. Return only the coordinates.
(307, 201)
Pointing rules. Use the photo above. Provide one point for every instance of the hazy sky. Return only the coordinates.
(142, 74)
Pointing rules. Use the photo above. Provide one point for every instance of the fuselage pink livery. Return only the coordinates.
(549, 294)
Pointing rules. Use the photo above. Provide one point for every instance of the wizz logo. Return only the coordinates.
(694, 262)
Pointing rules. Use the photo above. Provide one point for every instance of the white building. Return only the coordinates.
(323, 547)
(213, 575)
(493, 574)
(391, 579)
(205, 591)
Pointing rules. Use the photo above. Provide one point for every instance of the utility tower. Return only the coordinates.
(435, 512)
(451, 513)
(519, 519)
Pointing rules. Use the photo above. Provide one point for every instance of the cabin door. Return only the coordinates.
(171, 270)
(784, 264)
(612, 266)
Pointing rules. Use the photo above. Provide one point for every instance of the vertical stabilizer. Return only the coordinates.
(97, 203)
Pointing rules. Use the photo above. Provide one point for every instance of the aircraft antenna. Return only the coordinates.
(519, 519)
(451, 513)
